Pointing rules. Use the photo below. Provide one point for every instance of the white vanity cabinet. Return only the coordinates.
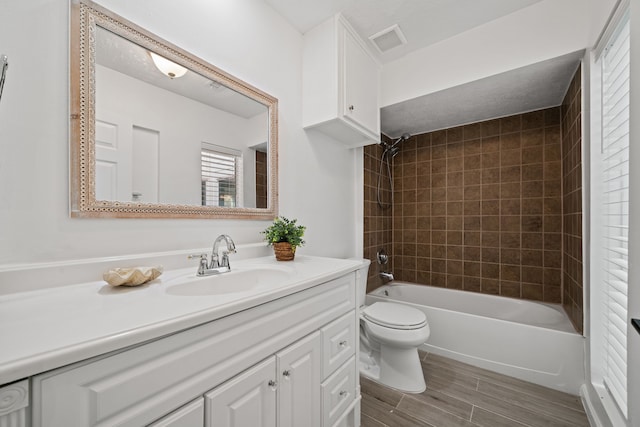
(340, 84)
(289, 362)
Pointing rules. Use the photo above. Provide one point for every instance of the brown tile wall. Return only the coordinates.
(478, 207)
(572, 201)
(492, 207)
(377, 221)
(261, 179)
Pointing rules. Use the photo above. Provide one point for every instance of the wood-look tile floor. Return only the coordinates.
(462, 395)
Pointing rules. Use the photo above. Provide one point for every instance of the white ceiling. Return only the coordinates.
(529, 88)
(120, 54)
(425, 22)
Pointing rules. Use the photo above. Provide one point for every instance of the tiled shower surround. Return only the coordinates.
(377, 220)
(480, 208)
(572, 202)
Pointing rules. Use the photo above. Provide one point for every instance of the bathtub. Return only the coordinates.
(524, 339)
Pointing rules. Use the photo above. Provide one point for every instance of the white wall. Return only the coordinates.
(243, 37)
(542, 31)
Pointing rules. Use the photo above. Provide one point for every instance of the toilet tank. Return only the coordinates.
(361, 281)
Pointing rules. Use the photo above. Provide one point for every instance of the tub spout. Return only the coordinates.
(387, 276)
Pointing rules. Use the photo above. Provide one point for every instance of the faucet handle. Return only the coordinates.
(225, 259)
(202, 266)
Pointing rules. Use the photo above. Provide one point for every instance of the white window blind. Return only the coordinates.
(615, 210)
(221, 175)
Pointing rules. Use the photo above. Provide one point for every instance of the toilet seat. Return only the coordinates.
(394, 316)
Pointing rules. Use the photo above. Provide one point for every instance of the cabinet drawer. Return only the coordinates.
(338, 343)
(190, 415)
(338, 391)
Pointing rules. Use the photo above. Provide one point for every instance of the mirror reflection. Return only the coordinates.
(168, 135)
(157, 132)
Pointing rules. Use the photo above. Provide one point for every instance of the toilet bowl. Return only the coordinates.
(390, 335)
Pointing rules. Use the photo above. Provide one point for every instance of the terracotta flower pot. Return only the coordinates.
(284, 251)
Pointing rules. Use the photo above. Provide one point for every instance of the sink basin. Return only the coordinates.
(235, 281)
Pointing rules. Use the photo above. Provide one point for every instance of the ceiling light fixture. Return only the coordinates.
(166, 67)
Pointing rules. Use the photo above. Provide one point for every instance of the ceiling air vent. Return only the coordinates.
(388, 38)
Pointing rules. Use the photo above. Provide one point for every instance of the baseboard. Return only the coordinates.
(593, 407)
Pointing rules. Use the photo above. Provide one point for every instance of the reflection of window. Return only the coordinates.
(221, 176)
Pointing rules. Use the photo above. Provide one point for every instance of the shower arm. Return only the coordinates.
(388, 153)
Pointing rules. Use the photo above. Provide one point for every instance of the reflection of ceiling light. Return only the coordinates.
(166, 67)
(216, 87)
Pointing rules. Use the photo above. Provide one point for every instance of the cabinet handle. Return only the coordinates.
(343, 394)
(286, 374)
(273, 384)
(351, 108)
(343, 343)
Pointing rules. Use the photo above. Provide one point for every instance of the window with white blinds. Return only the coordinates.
(221, 176)
(615, 210)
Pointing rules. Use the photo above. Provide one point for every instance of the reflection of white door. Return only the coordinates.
(145, 155)
(113, 157)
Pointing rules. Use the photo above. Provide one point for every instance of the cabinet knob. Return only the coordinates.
(351, 108)
(343, 394)
(343, 343)
(273, 384)
(286, 374)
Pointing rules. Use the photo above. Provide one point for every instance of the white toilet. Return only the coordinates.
(390, 335)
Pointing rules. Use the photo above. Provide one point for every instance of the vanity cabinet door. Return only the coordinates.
(299, 368)
(190, 415)
(248, 400)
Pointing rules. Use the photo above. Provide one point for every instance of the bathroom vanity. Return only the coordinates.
(270, 344)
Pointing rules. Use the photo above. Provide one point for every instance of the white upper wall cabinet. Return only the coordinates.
(341, 80)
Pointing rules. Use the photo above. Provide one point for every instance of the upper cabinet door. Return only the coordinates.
(360, 84)
(340, 84)
(299, 369)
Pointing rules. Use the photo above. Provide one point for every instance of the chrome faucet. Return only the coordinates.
(217, 265)
(231, 248)
(385, 275)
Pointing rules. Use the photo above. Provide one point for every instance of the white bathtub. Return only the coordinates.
(524, 339)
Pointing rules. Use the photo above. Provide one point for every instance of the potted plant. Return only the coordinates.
(285, 236)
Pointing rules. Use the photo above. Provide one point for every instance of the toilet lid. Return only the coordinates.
(392, 315)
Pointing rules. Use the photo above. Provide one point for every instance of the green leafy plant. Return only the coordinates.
(284, 230)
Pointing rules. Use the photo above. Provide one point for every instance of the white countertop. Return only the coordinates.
(45, 329)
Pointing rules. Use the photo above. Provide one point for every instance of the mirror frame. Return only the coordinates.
(85, 16)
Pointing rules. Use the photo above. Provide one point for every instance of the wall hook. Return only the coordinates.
(4, 64)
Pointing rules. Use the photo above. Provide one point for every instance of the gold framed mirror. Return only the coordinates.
(157, 132)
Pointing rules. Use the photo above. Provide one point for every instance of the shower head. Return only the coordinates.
(403, 138)
(392, 149)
